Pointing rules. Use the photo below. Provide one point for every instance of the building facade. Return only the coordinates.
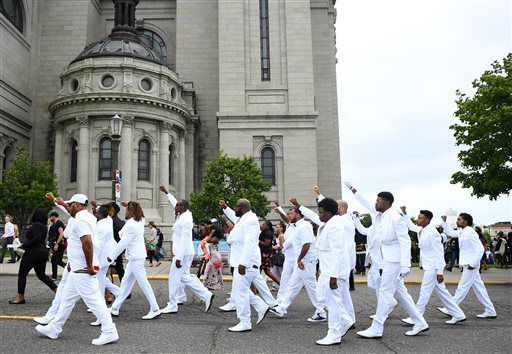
(189, 78)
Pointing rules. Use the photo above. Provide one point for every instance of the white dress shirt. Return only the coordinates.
(131, 240)
(288, 249)
(84, 224)
(104, 242)
(182, 243)
(470, 247)
(395, 242)
(244, 240)
(9, 230)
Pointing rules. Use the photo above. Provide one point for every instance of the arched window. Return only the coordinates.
(13, 11)
(171, 164)
(8, 157)
(268, 165)
(144, 160)
(73, 159)
(153, 41)
(105, 171)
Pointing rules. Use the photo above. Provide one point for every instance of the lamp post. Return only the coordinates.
(116, 127)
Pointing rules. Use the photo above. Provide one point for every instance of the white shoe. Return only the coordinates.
(373, 316)
(277, 312)
(152, 314)
(443, 310)
(105, 338)
(229, 307)
(113, 311)
(89, 310)
(169, 309)
(95, 323)
(47, 331)
(208, 302)
(262, 314)
(370, 333)
(328, 341)
(346, 329)
(455, 320)
(42, 320)
(417, 330)
(487, 315)
(408, 320)
(240, 328)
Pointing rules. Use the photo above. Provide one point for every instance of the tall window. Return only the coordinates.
(268, 165)
(73, 160)
(153, 41)
(13, 11)
(144, 160)
(171, 166)
(105, 171)
(264, 41)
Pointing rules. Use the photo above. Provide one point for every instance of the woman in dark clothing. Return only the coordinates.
(36, 255)
(266, 248)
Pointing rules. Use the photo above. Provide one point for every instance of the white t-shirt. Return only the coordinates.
(9, 229)
(288, 249)
(304, 234)
(84, 224)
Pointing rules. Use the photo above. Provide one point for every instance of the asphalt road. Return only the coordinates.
(193, 331)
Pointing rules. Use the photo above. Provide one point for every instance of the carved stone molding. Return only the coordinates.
(83, 121)
(165, 126)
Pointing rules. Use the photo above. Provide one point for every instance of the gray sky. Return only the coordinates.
(399, 64)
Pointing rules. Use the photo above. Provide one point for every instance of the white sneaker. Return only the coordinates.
(169, 309)
(152, 314)
(42, 320)
(113, 311)
(229, 307)
(443, 310)
(105, 338)
(95, 323)
(328, 341)
(47, 331)
(417, 330)
(487, 314)
(276, 311)
(373, 316)
(89, 310)
(208, 302)
(262, 315)
(455, 320)
(370, 333)
(240, 328)
(408, 320)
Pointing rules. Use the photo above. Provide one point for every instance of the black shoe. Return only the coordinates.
(129, 297)
(11, 262)
(54, 277)
(352, 288)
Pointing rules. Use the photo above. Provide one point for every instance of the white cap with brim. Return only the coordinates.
(214, 220)
(78, 198)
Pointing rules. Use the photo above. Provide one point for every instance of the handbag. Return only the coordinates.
(278, 259)
(217, 264)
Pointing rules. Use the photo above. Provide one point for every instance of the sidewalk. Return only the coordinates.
(493, 276)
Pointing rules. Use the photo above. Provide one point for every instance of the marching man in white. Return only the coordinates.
(183, 250)
(82, 282)
(471, 251)
(395, 245)
(432, 260)
(132, 239)
(335, 265)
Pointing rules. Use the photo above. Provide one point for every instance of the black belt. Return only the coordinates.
(255, 267)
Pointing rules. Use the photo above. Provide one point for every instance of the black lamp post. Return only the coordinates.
(116, 127)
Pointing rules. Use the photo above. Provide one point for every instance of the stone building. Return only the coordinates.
(189, 78)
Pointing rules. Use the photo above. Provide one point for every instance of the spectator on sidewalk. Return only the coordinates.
(151, 241)
(7, 239)
(56, 242)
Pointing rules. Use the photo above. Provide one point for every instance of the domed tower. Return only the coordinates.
(153, 143)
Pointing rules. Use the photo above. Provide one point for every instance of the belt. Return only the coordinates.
(255, 267)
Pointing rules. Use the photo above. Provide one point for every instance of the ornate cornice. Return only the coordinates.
(165, 126)
(83, 121)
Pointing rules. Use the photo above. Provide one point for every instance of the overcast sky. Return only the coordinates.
(399, 64)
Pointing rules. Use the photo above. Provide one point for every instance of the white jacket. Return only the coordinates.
(471, 249)
(104, 242)
(244, 240)
(333, 248)
(373, 251)
(182, 243)
(430, 244)
(395, 242)
(132, 239)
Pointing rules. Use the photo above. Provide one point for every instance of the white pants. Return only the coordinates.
(471, 279)
(181, 277)
(104, 282)
(338, 317)
(52, 311)
(391, 285)
(135, 272)
(243, 297)
(428, 284)
(278, 272)
(261, 284)
(302, 278)
(374, 279)
(285, 277)
(85, 286)
(347, 301)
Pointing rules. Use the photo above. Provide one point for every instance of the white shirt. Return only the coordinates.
(244, 240)
(470, 247)
(288, 250)
(304, 235)
(84, 224)
(373, 251)
(9, 229)
(395, 243)
(333, 248)
(182, 243)
(104, 242)
(132, 239)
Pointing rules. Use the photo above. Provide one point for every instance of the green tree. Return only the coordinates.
(230, 178)
(23, 188)
(485, 132)
(366, 220)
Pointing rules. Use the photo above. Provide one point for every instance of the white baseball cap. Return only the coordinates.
(78, 198)
(214, 220)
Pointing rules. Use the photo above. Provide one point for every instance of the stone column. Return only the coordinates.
(183, 166)
(190, 147)
(57, 162)
(2, 157)
(164, 159)
(125, 155)
(82, 178)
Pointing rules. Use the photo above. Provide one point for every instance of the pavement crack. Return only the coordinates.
(213, 343)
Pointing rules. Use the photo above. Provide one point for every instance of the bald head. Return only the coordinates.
(342, 206)
(242, 206)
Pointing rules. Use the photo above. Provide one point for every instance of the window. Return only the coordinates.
(146, 84)
(13, 11)
(105, 172)
(171, 166)
(107, 81)
(264, 41)
(268, 165)
(153, 41)
(144, 160)
(73, 149)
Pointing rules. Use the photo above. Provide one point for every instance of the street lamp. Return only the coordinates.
(116, 127)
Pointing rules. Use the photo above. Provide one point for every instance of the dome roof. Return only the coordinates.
(120, 46)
